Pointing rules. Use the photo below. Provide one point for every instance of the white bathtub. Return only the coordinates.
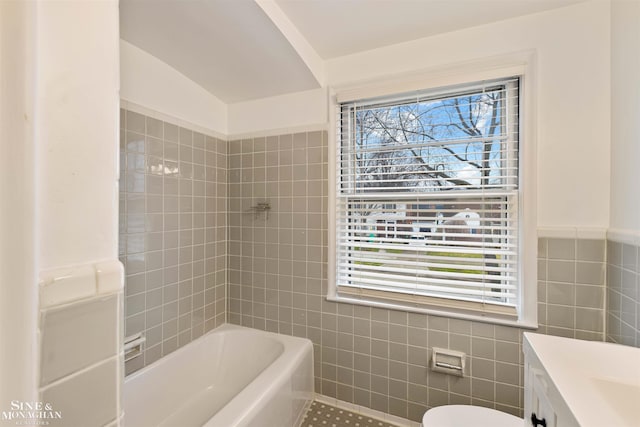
(232, 376)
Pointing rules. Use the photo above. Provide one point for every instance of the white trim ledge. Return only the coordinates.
(140, 109)
(524, 324)
(68, 284)
(593, 233)
(280, 131)
(631, 237)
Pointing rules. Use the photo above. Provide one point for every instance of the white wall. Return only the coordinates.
(153, 84)
(572, 45)
(59, 127)
(76, 78)
(625, 116)
(283, 113)
(77, 132)
(18, 278)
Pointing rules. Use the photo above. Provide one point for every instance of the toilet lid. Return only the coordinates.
(468, 415)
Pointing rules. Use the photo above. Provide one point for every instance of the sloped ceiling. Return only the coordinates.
(230, 48)
(241, 50)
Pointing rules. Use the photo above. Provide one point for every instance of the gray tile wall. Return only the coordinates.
(174, 200)
(571, 287)
(369, 356)
(173, 203)
(623, 293)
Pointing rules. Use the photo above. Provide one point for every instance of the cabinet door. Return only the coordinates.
(542, 412)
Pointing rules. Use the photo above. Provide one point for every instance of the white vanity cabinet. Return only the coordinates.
(575, 383)
(543, 405)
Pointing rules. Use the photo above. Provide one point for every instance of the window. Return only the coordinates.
(428, 201)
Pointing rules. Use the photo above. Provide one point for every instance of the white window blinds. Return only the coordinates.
(427, 198)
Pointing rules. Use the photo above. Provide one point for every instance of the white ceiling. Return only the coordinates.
(238, 52)
(229, 47)
(342, 27)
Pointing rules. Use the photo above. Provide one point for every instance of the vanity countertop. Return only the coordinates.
(599, 382)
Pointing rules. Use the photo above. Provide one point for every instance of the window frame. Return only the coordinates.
(521, 65)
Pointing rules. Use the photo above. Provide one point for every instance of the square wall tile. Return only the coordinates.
(173, 204)
(591, 250)
(561, 249)
(77, 336)
(81, 401)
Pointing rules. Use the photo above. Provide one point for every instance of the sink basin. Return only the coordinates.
(623, 398)
(598, 382)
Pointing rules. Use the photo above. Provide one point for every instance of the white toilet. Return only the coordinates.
(468, 415)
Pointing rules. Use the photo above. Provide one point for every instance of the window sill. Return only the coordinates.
(435, 312)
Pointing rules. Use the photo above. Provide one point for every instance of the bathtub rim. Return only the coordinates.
(253, 397)
(200, 340)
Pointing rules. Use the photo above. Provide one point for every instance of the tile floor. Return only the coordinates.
(323, 415)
